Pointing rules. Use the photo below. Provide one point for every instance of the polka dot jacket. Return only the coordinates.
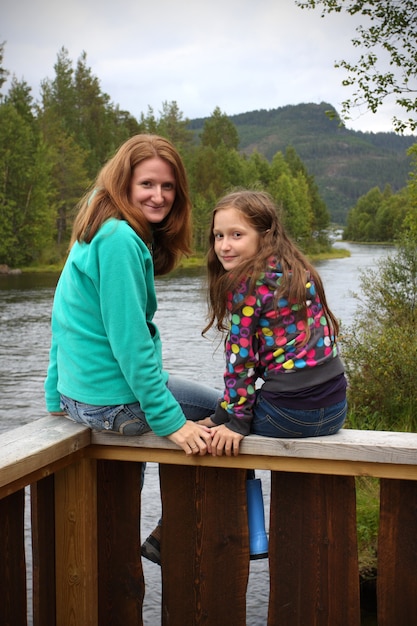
(265, 342)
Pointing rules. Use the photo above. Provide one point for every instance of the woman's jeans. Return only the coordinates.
(271, 421)
(196, 400)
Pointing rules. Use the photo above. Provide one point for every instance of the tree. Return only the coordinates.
(3, 72)
(20, 98)
(321, 214)
(380, 348)
(74, 100)
(59, 96)
(27, 213)
(388, 33)
(291, 193)
(361, 219)
(70, 182)
(378, 216)
(258, 171)
(219, 129)
(172, 126)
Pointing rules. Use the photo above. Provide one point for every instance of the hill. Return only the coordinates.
(346, 164)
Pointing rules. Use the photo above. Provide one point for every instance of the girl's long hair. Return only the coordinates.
(109, 197)
(261, 213)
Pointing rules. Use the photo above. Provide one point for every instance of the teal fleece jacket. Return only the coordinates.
(105, 348)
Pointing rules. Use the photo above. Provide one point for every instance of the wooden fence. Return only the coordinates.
(85, 507)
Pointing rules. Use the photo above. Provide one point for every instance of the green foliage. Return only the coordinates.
(386, 68)
(380, 348)
(378, 216)
(3, 72)
(367, 519)
(169, 124)
(217, 168)
(74, 102)
(49, 154)
(27, 216)
(320, 214)
(219, 130)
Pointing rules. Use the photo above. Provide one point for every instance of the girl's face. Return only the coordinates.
(152, 188)
(235, 240)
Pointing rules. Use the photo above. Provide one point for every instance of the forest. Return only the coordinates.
(51, 151)
(345, 163)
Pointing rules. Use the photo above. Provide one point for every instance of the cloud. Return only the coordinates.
(235, 54)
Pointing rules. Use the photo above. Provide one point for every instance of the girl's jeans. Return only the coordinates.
(197, 402)
(271, 421)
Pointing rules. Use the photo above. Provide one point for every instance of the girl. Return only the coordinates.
(105, 365)
(270, 299)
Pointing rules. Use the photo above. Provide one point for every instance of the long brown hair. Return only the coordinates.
(261, 213)
(109, 197)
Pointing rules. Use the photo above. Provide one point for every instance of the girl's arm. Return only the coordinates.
(242, 363)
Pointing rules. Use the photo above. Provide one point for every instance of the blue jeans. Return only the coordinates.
(270, 421)
(197, 402)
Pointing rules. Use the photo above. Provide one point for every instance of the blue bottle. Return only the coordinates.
(258, 540)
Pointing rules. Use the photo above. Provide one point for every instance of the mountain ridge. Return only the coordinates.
(345, 163)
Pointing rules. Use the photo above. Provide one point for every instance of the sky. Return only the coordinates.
(238, 55)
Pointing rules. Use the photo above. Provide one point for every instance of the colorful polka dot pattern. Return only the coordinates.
(265, 341)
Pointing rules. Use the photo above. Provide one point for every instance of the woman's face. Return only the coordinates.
(152, 188)
(235, 240)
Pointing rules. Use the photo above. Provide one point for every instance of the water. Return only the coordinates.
(341, 277)
(25, 308)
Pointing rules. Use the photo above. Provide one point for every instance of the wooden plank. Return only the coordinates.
(246, 461)
(43, 551)
(313, 551)
(76, 545)
(397, 554)
(41, 473)
(27, 449)
(346, 445)
(122, 587)
(32, 451)
(13, 602)
(204, 546)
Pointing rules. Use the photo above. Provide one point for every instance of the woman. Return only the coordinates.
(105, 365)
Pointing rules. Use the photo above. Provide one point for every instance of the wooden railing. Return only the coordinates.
(85, 508)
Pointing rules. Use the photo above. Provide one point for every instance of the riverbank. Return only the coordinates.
(195, 261)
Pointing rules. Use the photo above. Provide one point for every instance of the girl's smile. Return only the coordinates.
(235, 240)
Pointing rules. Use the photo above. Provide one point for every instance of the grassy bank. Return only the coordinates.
(195, 261)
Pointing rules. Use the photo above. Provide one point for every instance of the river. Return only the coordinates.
(25, 308)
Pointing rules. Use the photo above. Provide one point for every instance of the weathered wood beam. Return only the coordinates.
(29, 450)
(204, 546)
(12, 560)
(76, 544)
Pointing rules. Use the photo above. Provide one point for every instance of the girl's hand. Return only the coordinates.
(192, 438)
(225, 440)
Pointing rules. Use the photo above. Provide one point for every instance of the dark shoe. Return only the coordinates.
(151, 547)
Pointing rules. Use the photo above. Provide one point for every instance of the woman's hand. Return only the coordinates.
(193, 438)
(225, 441)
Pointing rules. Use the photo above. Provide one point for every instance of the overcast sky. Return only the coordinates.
(239, 55)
